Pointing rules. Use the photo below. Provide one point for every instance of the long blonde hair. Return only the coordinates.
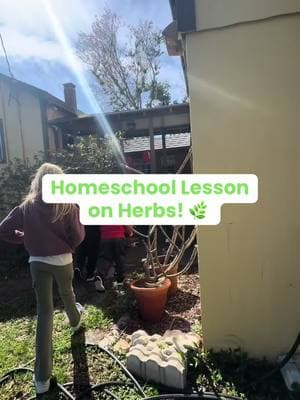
(60, 210)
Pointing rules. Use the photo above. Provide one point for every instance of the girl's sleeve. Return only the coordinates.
(11, 228)
(76, 231)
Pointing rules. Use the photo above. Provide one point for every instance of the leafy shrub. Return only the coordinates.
(15, 180)
(87, 155)
(14, 183)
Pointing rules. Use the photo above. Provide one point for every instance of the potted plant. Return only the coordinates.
(161, 270)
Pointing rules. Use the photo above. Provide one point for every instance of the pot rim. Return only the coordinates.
(165, 285)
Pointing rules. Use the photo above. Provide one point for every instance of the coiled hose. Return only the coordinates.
(187, 396)
(103, 386)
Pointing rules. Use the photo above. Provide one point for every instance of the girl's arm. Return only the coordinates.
(75, 229)
(11, 228)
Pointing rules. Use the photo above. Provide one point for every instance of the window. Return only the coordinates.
(2, 144)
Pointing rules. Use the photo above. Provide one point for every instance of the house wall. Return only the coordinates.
(21, 122)
(245, 95)
(217, 13)
(55, 135)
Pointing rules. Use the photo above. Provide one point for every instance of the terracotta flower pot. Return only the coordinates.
(151, 300)
(174, 280)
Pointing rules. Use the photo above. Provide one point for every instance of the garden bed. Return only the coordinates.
(110, 319)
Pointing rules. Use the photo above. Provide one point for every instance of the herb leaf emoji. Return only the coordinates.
(199, 210)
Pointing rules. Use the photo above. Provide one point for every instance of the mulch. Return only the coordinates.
(182, 311)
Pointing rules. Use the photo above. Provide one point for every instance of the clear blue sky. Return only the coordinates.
(37, 57)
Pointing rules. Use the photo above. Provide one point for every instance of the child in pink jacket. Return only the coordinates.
(113, 250)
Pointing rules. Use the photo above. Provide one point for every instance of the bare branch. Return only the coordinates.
(188, 265)
(185, 161)
(140, 233)
(183, 249)
(171, 241)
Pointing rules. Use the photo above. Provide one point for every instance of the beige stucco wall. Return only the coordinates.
(245, 95)
(218, 13)
(27, 123)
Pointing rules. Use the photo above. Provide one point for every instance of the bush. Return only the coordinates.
(88, 155)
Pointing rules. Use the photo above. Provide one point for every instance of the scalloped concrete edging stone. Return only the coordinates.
(161, 359)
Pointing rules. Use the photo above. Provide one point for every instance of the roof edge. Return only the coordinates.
(39, 92)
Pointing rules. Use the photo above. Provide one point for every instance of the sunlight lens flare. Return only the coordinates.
(83, 83)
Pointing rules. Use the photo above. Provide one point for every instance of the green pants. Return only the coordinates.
(43, 276)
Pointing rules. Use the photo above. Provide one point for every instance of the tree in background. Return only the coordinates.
(125, 60)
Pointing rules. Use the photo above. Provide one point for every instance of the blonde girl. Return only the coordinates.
(50, 234)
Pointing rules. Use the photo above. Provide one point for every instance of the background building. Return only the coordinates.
(25, 116)
(153, 139)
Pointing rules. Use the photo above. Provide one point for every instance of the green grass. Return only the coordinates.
(17, 340)
(230, 372)
(96, 318)
(17, 346)
(17, 349)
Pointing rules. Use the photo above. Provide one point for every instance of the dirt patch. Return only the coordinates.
(94, 336)
(17, 300)
(182, 311)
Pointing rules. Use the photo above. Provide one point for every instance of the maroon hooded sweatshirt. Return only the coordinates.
(42, 237)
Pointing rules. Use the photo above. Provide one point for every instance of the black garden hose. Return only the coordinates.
(204, 396)
(69, 396)
(99, 386)
(25, 370)
(14, 371)
(122, 366)
(281, 364)
(81, 396)
(193, 396)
